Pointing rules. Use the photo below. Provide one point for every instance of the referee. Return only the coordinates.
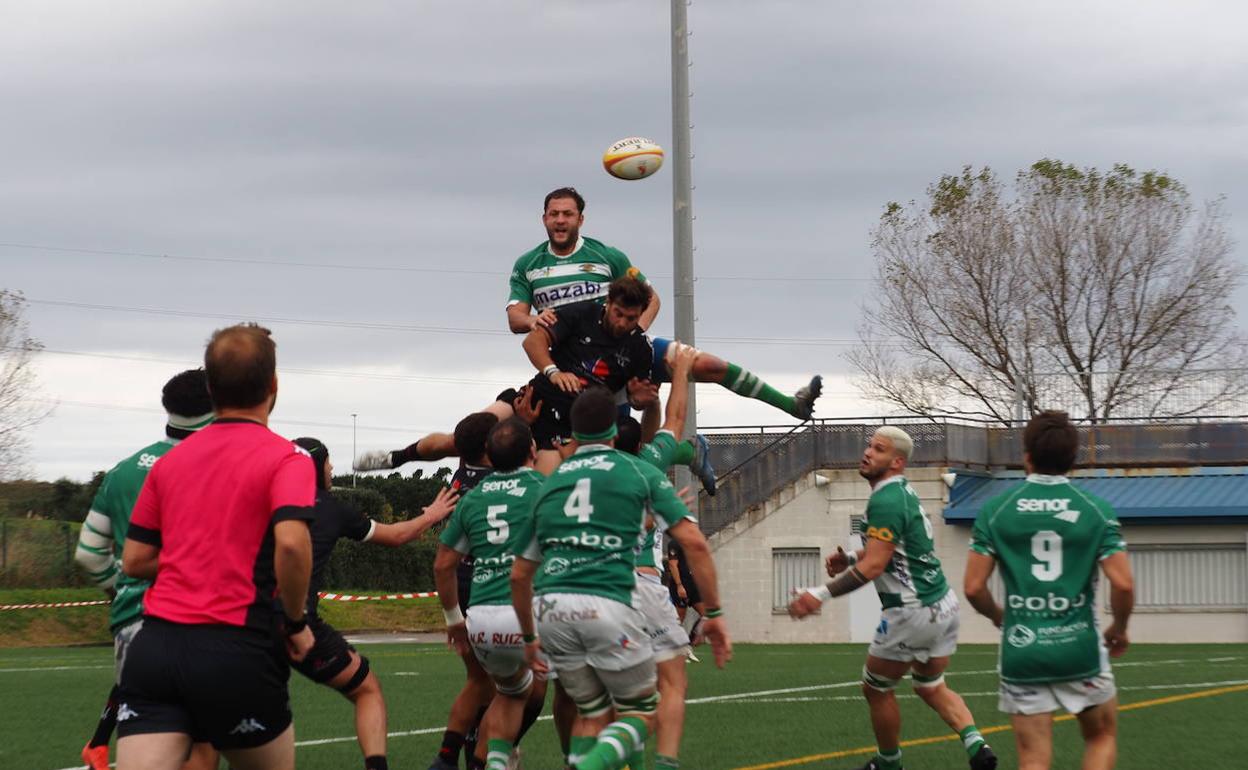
(222, 527)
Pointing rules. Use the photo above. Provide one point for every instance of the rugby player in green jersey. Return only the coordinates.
(918, 629)
(581, 548)
(486, 526)
(1049, 537)
(103, 536)
(568, 269)
(667, 636)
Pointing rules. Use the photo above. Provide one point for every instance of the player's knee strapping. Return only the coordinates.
(641, 706)
(517, 688)
(586, 691)
(356, 679)
(877, 682)
(928, 682)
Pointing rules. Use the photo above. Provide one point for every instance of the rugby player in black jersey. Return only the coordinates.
(333, 661)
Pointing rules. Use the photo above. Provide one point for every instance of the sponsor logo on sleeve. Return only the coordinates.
(881, 533)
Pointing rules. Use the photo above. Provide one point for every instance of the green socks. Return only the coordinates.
(684, 453)
(745, 383)
(498, 754)
(615, 745)
(972, 740)
(637, 759)
(889, 761)
(578, 747)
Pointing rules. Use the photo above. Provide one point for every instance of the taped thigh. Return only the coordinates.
(633, 688)
(516, 688)
(877, 682)
(927, 682)
(586, 690)
(356, 679)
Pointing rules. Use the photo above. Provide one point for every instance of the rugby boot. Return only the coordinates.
(441, 764)
(804, 398)
(379, 460)
(96, 758)
(984, 759)
(873, 765)
(701, 466)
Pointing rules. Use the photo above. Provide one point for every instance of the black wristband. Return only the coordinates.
(293, 627)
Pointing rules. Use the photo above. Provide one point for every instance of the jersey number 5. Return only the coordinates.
(578, 505)
(499, 528)
(1046, 546)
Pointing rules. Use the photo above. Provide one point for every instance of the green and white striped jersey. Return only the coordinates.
(1048, 537)
(103, 534)
(913, 577)
(588, 522)
(488, 524)
(543, 280)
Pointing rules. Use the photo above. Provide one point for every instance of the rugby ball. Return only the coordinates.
(632, 158)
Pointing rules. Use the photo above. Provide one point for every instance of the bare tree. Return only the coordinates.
(1108, 286)
(17, 384)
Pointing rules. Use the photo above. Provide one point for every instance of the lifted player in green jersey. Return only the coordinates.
(918, 629)
(1049, 536)
(586, 526)
(567, 269)
(487, 525)
(103, 535)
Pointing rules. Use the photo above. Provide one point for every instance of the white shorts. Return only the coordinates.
(496, 638)
(917, 633)
(121, 647)
(667, 635)
(1074, 696)
(580, 629)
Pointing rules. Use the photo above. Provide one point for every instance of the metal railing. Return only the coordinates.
(755, 463)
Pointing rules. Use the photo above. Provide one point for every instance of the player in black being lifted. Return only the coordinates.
(588, 344)
(332, 661)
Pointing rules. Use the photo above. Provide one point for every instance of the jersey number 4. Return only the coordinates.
(578, 505)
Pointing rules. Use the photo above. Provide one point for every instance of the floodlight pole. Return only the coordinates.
(353, 452)
(682, 202)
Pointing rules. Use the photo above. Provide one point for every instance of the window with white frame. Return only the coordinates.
(793, 569)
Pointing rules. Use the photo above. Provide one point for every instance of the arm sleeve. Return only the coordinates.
(981, 535)
(356, 525)
(95, 551)
(566, 320)
(641, 356)
(292, 488)
(622, 266)
(521, 289)
(665, 505)
(884, 517)
(1111, 536)
(454, 536)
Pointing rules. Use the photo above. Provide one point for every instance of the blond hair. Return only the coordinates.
(902, 443)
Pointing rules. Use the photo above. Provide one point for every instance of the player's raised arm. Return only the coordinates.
(403, 532)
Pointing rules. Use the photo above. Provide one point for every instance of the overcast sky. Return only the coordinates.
(375, 168)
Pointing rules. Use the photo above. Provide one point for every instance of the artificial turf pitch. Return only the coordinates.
(774, 706)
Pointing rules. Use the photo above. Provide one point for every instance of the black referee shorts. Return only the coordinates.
(330, 653)
(224, 685)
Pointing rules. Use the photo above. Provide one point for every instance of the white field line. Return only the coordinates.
(760, 696)
(993, 694)
(29, 670)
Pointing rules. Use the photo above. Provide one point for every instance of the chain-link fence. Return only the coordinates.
(756, 464)
(36, 553)
(1138, 394)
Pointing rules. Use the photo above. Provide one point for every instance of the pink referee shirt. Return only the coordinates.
(210, 504)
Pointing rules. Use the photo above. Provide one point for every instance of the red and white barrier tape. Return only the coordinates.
(323, 595)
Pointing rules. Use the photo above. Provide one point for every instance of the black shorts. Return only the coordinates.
(330, 654)
(224, 685)
(463, 577)
(553, 427)
(691, 592)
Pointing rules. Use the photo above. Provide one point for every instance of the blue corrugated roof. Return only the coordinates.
(1160, 494)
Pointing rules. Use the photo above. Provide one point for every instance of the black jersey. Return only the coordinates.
(334, 519)
(582, 345)
(468, 476)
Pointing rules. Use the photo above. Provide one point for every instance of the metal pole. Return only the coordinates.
(353, 453)
(682, 203)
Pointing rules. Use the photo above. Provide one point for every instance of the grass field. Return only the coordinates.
(775, 706)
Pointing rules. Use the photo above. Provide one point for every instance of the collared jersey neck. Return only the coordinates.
(580, 241)
(592, 448)
(891, 479)
(1044, 478)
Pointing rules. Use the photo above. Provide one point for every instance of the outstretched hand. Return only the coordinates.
(442, 505)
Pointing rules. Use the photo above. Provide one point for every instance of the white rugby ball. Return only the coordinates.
(632, 158)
